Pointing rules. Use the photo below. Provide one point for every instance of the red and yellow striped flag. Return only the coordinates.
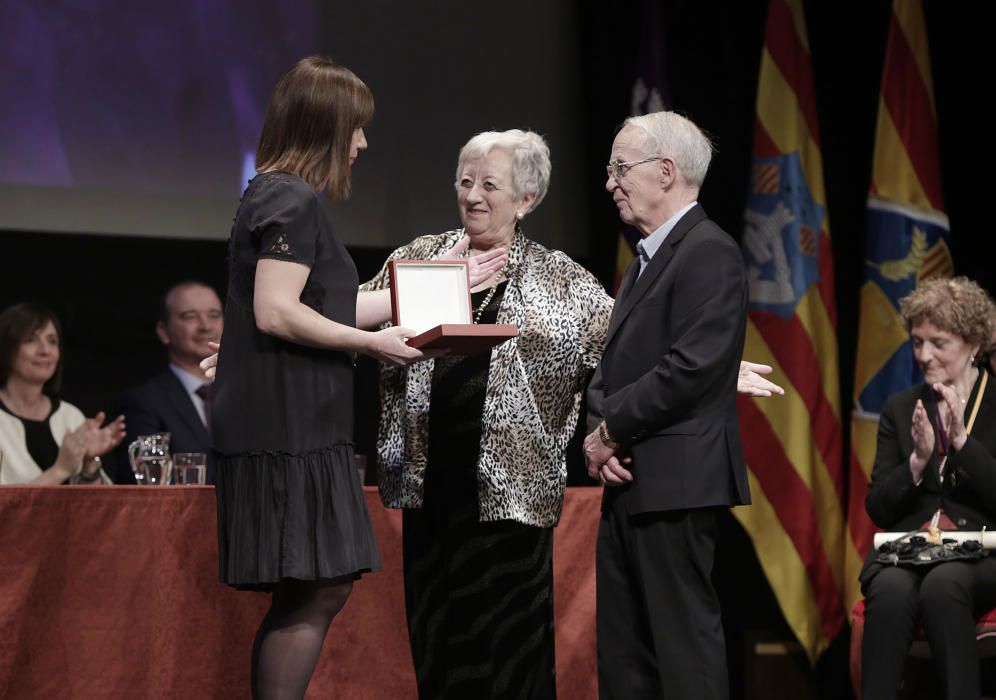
(906, 242)
(793, 445)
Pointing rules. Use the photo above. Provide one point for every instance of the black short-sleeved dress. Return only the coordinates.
(290, 502)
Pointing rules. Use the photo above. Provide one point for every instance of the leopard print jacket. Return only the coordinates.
(533, 394)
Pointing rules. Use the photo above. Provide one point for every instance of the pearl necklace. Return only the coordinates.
(479, 311)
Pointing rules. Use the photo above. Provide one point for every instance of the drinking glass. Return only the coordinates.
(189, 468)
(156, 470)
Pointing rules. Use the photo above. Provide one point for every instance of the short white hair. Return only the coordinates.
(672, 135)
(530, 159)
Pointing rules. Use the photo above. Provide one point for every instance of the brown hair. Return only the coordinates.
(956, 305)
(17, 323)
(310, 121)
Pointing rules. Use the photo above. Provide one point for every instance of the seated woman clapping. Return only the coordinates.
(935, 470)
(44, 440)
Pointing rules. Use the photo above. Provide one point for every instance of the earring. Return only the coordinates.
(519, 215)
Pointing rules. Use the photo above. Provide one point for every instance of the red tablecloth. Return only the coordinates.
(113, 592)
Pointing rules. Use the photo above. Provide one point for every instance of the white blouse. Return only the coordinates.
(16, 464)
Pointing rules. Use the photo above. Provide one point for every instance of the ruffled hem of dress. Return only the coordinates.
(285, 516)
(284, 453)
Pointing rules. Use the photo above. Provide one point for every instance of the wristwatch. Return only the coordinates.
(90, 477)
(603, 434)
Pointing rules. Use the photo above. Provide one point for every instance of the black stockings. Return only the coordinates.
(290, 637)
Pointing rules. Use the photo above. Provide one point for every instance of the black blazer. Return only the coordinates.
(894, 503)
(666, 384)
(162, 405)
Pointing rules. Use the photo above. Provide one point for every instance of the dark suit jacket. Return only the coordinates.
(666, 385)
(162, 405)
(894, 503)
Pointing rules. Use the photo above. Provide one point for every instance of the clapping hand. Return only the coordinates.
(72, 452)
(954, 426)
(85, 445)
(922, 433)
(101, 440)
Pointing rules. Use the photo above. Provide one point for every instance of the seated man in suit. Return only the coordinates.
(177, 400)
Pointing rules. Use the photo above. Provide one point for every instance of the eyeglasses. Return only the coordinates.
(488, 185)
(618, 167)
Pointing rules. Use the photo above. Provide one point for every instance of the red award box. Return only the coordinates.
(432, 297)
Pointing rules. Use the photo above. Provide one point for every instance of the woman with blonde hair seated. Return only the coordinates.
(935, 465)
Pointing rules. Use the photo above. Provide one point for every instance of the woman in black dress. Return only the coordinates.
(291, 515)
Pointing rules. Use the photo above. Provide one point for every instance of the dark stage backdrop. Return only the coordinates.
(142, 118)
(712, 59)
(441, 74)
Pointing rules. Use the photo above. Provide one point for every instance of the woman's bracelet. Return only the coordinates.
(95, 476)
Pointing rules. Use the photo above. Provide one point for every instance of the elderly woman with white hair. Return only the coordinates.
(473, 448)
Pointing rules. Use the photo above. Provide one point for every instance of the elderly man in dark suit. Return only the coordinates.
(664, 434)
(178, 399)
